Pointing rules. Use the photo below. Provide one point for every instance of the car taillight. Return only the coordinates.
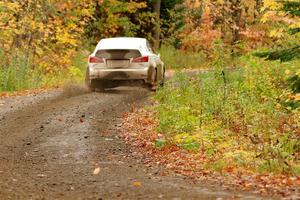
(96, 60)
(141, 59)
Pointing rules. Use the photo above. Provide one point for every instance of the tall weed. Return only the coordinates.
(18, 71)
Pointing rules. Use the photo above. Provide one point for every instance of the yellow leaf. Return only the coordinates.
(137, 184)
(297, 97)
(287, 72)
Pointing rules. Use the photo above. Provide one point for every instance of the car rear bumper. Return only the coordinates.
(120, 74)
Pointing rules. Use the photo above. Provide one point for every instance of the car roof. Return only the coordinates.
(122, 43)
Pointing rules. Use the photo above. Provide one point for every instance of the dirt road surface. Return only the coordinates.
(51, 144)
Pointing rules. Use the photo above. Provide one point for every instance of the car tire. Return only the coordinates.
(89, 83)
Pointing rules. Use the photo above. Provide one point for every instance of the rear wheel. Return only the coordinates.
(93, 84)
(89, 83)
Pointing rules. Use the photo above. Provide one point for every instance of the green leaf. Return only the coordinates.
(160, 143)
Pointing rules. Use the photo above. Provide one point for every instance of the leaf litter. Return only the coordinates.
(138, 131)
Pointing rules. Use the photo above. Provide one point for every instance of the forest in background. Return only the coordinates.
(252, 47)
(42, 41)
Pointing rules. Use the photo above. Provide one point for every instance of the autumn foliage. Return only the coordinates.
(243, 113)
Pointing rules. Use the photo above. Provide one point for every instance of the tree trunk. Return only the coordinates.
(223, 21)
(157, 31)
(258, 5)
(236, 18)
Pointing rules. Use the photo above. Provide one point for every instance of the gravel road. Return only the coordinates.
(52, 142)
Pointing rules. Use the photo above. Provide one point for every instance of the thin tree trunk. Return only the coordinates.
(223, 23)
(236, 18)
(258, 5)
(157, 30)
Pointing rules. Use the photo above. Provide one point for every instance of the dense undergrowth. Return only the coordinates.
(18, 72)
(178, 59)
(246, 116)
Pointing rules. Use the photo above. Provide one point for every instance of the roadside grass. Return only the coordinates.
(238, 118)
(18, 72)
(178, 59)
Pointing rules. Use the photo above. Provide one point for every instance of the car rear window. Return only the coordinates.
(118, 54)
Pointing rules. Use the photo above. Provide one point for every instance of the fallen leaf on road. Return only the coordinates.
(119, 195)
(4, 94)
(96, 171)
(137, 184)
(298, 181)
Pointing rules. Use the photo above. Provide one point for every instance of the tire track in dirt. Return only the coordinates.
(49, 150)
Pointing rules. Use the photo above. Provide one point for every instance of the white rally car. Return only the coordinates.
(123, 60)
